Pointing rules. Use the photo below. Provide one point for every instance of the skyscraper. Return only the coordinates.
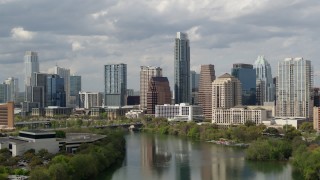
(31, 65)
(226, 92)
(75, 88)
(13, 88)
(3, 93)
(194, 85)
(115, 84)
(207, 76)
(146, 72)
(56, 95)
(247, 76)
(38, 89)
(65, 74)
(158, 93)
(264, 80)
(294, 88)
(182, 93)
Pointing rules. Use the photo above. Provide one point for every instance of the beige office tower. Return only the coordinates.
(146, 73)
(226, 92)
(207, 76)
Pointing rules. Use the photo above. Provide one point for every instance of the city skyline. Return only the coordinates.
(101, 33)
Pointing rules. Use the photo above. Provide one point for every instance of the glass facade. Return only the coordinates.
(56, 95)
(75, 88)
(115, 81)
(264, 77)
(247, 76)
(182, 87)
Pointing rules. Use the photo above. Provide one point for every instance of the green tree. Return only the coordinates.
(35, 161)
(59, 171)
(60, 134)
(39, 174)
(79, 164)
(307, 127)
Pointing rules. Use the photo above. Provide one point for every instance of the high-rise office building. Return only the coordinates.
(115, 84)
(3, 93)
(38, 89)
(194, 85)
(146, 72)
(226, 92)
(65, 74)
(264, 78)
(13, 88)
(207, 76)
(260, 92)
(247, 76)
(182, 93)
(31, 65)
(75, 88)
(294, 88)
(56, 95)
(158, 93)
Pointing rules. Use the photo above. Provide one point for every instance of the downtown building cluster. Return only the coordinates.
(248, 93)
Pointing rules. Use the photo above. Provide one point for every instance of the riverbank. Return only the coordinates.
(87, 162)
(262, 148)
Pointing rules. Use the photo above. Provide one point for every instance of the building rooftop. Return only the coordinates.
(226, 75)
(37, 132)
(82, 137)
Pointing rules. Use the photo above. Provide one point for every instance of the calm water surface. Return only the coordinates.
(156, 157)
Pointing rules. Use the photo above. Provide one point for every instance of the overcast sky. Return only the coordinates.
(85, 35)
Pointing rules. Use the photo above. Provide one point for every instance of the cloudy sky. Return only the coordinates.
(85, 35)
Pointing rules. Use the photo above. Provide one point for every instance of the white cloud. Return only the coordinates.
(76, 46)
(20, 34)
(99, 14)
(194, 34)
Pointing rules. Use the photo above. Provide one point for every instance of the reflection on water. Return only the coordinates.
(168, 157)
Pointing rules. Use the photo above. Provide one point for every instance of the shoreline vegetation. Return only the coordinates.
(89, 161)
(261, 143)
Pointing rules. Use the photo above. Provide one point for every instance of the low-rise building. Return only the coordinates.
(52, 111)
(293, 121)
(31, 139)
(180, 112)
(7, 115)
(74, 140)
(238, 115)
(135, 114)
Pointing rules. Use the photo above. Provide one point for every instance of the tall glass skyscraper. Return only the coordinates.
(75, 88)
(65, 74)
(31, 65)
(247, 76)
(56, 95)
(115, 84)
(264, 79)
(182, 90)
(294, 88)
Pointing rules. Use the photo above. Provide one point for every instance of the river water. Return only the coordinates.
(157, 157)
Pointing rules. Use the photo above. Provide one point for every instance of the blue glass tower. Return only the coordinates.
(247, 76)
(56, 95)
(182, 88)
